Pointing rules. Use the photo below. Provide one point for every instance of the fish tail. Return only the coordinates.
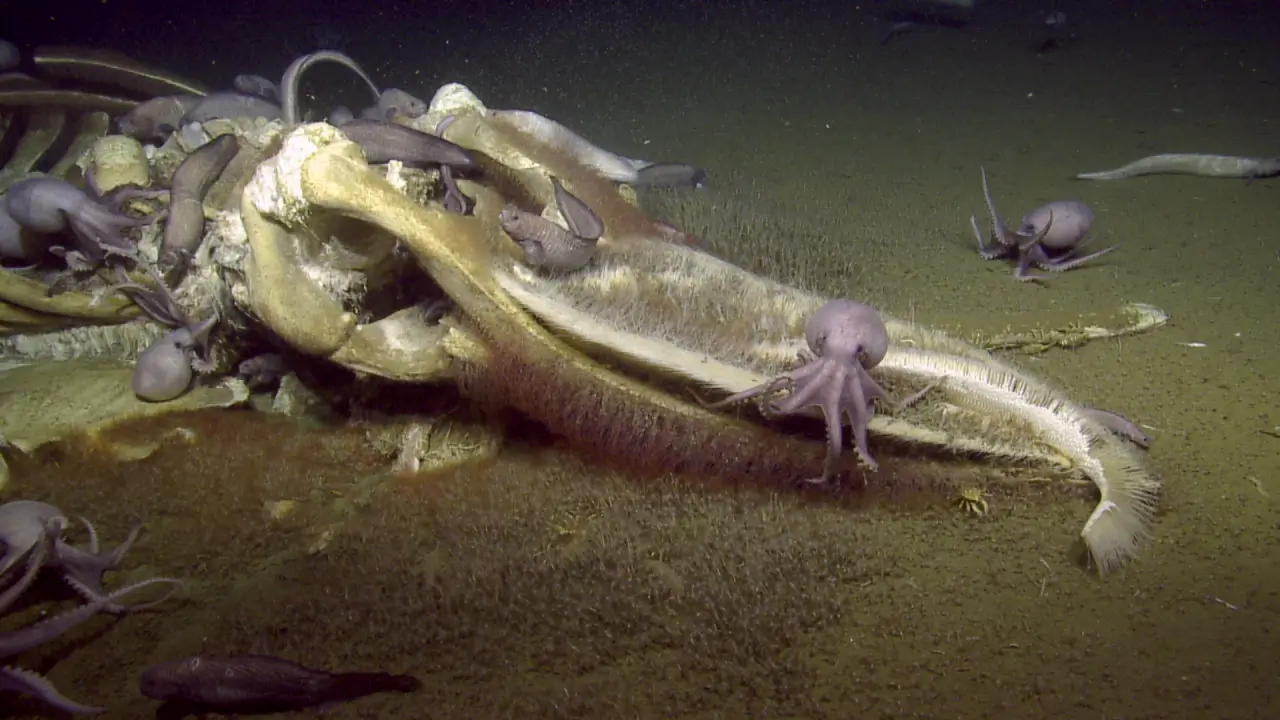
(349, 686)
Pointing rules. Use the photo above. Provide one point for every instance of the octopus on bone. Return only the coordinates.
(846, 339)
(49, 206)
(164, 370)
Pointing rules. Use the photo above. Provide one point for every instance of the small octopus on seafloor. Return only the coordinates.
(1050, 236)
(31, 542)
(846, 339)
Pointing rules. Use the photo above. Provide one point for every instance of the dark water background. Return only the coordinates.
(543, 586)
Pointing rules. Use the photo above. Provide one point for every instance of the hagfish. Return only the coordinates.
(261, 684)
(157, 117)
(229, 105)
(1223, 166)
(289, 83)
(386, 141)
(191, 182)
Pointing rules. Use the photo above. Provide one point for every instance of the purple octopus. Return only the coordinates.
(846, 339)
(32, 543)
(164, 370)
(48, 206)
(1050, 237)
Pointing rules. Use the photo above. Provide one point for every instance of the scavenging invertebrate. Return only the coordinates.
(31, 535)
(46, 205)
(164, 370)
(846, 340)
(1049, 238)
(972, 502)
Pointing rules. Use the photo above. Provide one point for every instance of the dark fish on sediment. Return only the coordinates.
(257, 684)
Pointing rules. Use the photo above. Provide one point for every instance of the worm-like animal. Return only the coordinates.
(1223, 166)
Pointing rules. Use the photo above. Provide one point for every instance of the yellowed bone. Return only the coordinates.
(69, 99)
(119, 160)
(282, 295)
(108, 67)
(43, 127)
(19, 291)
(402, 346)
(91, 127)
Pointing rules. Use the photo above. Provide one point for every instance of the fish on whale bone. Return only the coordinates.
(549, 246)
(611, 165)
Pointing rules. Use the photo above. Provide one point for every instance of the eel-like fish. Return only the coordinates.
(394, 101)
(251, 84)
(1223, 166)
(231, 104)
(670, 174)
(191, 182)
(386, 141)
(157, 117)
(1120, 425)
(259, 684)
(289, 83)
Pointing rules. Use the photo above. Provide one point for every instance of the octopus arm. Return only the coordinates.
(862, 391)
